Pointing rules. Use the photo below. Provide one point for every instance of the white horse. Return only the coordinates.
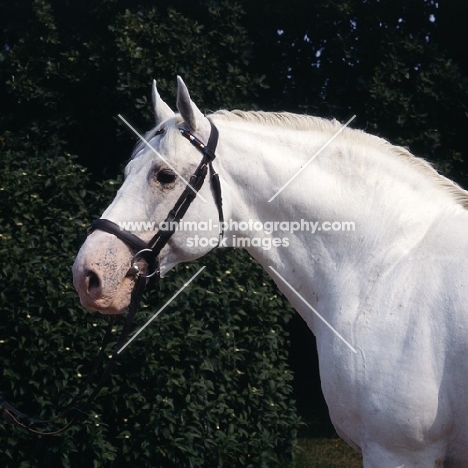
(388, 301)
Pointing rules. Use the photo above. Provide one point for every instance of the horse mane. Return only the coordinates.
(309, 123)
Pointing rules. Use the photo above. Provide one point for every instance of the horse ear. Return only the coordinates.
(161, 110)
(188, 110)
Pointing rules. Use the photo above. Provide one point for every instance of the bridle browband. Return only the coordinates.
(150, 253)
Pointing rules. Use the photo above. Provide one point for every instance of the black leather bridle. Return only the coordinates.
(150, 253)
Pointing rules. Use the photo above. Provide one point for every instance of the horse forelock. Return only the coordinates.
(148, 136)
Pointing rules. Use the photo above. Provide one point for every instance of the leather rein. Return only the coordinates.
(150, 253)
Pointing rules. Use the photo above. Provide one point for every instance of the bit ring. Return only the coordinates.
(134, 270)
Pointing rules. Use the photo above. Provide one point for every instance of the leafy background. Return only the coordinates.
(215, 380)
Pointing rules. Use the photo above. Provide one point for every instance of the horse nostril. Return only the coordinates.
(92, 279)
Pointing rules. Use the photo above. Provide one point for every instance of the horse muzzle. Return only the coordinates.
(101, 274)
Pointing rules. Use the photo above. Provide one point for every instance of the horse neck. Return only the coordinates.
(392, 203)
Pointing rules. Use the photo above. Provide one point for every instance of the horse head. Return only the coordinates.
(158, 180)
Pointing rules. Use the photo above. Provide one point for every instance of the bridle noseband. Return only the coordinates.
(150, 252)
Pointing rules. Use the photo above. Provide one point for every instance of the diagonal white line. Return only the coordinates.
(161, 309)
(146, 142)
(315, 312)
(312, 158)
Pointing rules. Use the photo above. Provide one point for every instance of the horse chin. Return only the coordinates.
(112, 311)
(165, 265)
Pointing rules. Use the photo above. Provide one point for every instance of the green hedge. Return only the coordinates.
(206, 385)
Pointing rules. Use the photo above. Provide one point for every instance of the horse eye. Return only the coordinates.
(165, 176)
